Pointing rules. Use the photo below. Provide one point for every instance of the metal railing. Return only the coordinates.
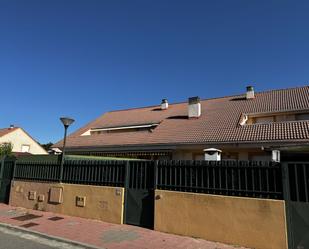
(39, 171)
(105, 173)
(297, 181)
(235, 178)
(141, 175)
(94, 172)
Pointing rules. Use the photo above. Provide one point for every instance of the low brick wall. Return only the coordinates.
(254, 223)
(94, 202)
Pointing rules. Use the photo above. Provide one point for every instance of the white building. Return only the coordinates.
(22, 142)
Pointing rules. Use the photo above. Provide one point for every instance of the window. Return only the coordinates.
(120, 129)
(303, 116)
(25, 148)
(263, 118)
(260, 120)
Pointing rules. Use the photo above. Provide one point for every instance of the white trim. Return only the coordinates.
(123, 127)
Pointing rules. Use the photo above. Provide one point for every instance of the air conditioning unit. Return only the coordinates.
(212, 154)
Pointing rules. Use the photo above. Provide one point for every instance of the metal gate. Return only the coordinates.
(139, 198)
(6, 175)
(296, 183)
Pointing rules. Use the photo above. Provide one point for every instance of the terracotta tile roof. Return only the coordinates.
(219, 122)
(5, 131)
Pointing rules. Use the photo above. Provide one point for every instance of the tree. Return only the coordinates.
(47, 146)
(6, 149)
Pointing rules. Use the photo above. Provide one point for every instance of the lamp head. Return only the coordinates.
(66, 121)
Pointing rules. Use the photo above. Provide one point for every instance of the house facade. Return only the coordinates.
(22, 142)
(249, 126)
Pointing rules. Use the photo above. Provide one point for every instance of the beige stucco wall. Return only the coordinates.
(254, 223)
(102, 203)
(182, 155)
(19, 138)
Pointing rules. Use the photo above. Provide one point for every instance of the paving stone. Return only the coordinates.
(106, 235)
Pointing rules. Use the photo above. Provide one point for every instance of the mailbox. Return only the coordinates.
(212, 154)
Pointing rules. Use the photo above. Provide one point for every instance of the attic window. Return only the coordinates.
(119, 129)
(263, 118)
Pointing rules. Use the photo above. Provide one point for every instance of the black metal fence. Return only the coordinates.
(37, 171)
(141, 175)
(94, 172)
(236, 178)
(297, 180)
(104, 173)
(6, 174)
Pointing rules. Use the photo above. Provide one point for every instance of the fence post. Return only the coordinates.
(61, 168)
(156, 163)
(2, 168)
(126, 186)
(14, 169)
(287, 200)
(285, 181)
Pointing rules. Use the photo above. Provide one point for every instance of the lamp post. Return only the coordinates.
(66, 123)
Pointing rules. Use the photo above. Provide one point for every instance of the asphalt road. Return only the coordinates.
(10, 239)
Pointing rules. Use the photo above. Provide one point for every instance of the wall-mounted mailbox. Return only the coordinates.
(32, 195)
(80, 201)
(41, 198)
(212, 154)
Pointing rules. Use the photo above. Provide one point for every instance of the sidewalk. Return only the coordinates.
(100, 234)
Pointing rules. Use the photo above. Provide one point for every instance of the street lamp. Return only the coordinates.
(66, 123)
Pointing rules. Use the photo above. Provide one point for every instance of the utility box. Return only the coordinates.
(56, 195)
(212, 154)
(31, 195)
(80, 201)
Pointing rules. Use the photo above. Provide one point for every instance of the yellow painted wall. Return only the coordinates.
(254, 223)
(102, 203)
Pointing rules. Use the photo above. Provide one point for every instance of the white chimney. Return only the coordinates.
(164, 104)
(194, 107)
(250, 92)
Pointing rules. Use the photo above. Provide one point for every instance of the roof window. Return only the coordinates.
(264, 118)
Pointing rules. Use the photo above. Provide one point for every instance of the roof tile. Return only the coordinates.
(218, 123)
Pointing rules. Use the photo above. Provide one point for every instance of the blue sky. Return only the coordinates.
(83, 58)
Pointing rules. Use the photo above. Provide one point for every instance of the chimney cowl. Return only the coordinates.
(11, 126)
(164, 104)
(194, 100)
(194, 107)
(250, 92)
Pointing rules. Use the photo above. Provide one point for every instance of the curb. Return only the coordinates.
(50, 237)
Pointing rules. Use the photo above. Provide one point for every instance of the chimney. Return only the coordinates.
(194, 107)
(164, 104)
(250, 92)
(11, 126)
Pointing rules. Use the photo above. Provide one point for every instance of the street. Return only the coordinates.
(11, 239)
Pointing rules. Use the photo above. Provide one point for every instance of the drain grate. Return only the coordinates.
(31, 224)
(27, 217)
(55, 218)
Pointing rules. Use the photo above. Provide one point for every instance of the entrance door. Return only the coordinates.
(139, 199)
(6, 175)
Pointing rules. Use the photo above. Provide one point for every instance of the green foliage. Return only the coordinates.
(6, 149)
(47, 146)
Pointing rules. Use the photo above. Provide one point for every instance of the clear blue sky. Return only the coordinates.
(83, 58)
